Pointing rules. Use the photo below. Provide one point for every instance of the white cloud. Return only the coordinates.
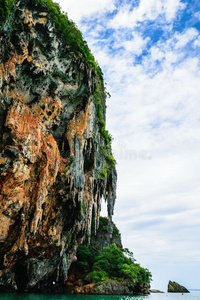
(154, 107)
(172, 51)
(171, 7)
(183, 39)
(79, 9)
(197, 42)
(197, 15)
(157, 113)
(148, 10)
(136, 45)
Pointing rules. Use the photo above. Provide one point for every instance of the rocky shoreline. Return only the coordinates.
(156, 291)
(108, 288)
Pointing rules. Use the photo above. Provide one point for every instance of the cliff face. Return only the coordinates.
(52, 154)
(102, 237)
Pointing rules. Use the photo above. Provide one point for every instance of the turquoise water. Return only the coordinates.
(191, 296)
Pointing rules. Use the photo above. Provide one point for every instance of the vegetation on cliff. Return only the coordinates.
(113, 263)
(103, 228)
(5, 7)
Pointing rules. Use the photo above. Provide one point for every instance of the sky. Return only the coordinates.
(149, 51)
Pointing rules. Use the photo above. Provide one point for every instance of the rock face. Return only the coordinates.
(51, 151)
(125, 287)
(174, 287)
(102, 238)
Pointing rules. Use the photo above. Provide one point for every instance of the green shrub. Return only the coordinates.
(103, 225)
(5, 7)
(85, 256)
(69, 237)
(102, 173)
(117, 265)
(83, 206)
(110, 160)
(116, 232)
(97, 276)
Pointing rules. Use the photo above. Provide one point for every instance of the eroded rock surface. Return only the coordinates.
(50, 151)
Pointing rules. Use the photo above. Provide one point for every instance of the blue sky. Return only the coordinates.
(149, 51)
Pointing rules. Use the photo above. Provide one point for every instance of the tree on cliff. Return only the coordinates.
(113, 263)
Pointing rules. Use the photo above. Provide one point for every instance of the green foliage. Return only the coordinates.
(70, 161)
(110, 160)
(128, 254)
(103, 225)
(110, 264)
(69, 237)
(104, 133)
(102, 173)
(97, 276)
(116, 232)
(117, 265)
(85, 258)
(103, 228)
(5, 7)
(83, 206)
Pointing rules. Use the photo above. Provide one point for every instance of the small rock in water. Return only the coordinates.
(174, 287)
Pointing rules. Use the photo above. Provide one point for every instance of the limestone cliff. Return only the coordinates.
(55, 160)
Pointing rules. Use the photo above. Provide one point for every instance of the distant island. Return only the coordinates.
(174, 287)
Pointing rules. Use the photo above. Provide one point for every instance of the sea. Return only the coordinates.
(193, 295)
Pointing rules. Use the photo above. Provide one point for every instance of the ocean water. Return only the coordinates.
(194, 295)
